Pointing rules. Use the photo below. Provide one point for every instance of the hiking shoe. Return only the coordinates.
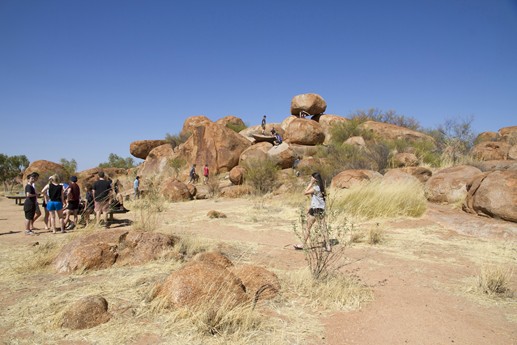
(29, 232)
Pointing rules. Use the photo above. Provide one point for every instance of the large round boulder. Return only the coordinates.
(311, 103)
(404, 159)
(487, 136)
(141, 148)
(250, 131)
(450, 185)
(493, 194)
(421, 173)
(491, 150)
(348, 178)
(282, 155)
(157, 163)
(45, 169)
(174, 190)
(257, 152)
(201, 284)
(509, 134)
(304, 132)
(88, 312)
(328, 123)
(237, 175)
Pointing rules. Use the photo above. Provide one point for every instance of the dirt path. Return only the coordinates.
(419, 275)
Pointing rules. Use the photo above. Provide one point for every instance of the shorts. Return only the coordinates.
(102, 206)
(316, 212)
(73, 205)
(29, 208)
(54, 205)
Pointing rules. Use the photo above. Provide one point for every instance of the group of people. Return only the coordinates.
(62, 202)
(194, 177)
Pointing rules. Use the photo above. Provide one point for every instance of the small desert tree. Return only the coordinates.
(11, 168)
(115, 161)
(176, 164)
(70, 166)
(261, 175)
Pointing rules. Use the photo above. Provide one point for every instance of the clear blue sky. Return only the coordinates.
(83, 79)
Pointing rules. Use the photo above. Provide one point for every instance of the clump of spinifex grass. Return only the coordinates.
(375, 234)
(380, 198)
(494, 280)
(42, 255)
(336, 291)
(146, 211)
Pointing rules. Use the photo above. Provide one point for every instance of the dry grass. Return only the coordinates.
(146, 213)
(494, 281)
(38, 258)
(382, 199)
(376, 235)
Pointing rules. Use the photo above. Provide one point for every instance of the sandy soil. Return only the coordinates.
(420, 275)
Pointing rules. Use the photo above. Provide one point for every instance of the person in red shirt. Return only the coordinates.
(206, 173)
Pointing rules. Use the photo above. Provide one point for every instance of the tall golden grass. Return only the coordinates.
(382, 199)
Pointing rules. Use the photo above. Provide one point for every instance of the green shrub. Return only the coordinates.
(236, 127)
(344, 130)
(261, 175)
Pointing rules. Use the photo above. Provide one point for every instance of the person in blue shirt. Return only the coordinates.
(136, 187)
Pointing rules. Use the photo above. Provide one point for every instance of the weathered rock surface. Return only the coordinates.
(282, 155)
(328, 123)
(311, 103)
(248, 132)
(487, 136)
(192, 122)
(491, 150)
(399, 175)
(421, 173)
(304, 132)
(450, 185)
(257, 152)
(351, 177)
(393, 132)
(141, 148)
(156, 163)
(103, 249)
(259, 282)
(404, 159)
(45, 169)
(497, 165)
(493, 194)
(512, 153)
(237, 175)
(86, 313)
(230, 120)
(202, 284)
(213, 257)
(356, 141)
(509, 134)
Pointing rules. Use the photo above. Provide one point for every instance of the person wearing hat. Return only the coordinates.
(73, 196)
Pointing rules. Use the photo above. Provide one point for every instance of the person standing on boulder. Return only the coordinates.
(263, 124)
(101, 196)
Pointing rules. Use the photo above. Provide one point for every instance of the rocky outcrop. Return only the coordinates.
(304, 132)
(512, 153)
(230, 120)
(213, 257)
(248, 132)
(174, 190)
(157, 163)
(257, 152)
(497, 165)
(141, 148)
(45, 169)
(493, 194)
(393, 132)
(215, 145)
(192, 122)
(399, 175)
(88, 312)
(487, 136)
(103, 249)
(328, 123)
(311, 103)
(421, 173)
(450, 185)
(509, 134)
(348, 178)
(491, 150)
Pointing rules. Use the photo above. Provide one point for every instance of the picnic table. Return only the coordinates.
(18, 199)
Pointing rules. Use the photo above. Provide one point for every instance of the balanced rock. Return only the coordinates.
(450, 185)
(86, 313)
(141, 148)
(311, 103)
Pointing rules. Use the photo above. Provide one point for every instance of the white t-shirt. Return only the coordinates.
(317, 200)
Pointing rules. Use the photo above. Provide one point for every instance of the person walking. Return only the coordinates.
(101, 196)
(193, 175)
(316, 190)
(136, 187)
(56, 201)
(29, 206)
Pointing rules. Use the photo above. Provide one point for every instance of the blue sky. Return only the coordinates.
(83, 79)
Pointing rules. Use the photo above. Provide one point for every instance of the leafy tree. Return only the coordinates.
(11, 168)
(455, 137)
(70, 166)
(115, 161)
